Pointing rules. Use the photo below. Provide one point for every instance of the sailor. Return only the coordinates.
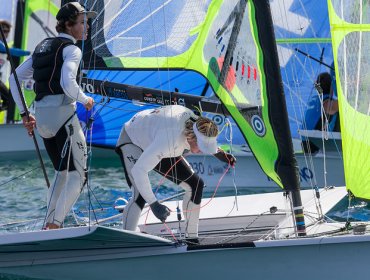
(53, 66)
(313, 118)
(156, 139)
(322, 109)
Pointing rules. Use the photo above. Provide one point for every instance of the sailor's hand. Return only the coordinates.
(89, 104)
(231, 160)
(225, 157)
(160, 211)
(29, 123)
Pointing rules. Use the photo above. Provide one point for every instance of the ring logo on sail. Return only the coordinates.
(258, 125)
(218, 119)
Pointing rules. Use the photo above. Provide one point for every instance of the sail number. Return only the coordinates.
(87, 88)
(198, 167)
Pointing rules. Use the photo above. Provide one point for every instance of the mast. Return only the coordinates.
(286, 165)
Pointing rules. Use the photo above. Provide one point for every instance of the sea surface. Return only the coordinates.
(23, 195)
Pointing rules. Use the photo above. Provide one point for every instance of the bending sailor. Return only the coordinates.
(156, 139)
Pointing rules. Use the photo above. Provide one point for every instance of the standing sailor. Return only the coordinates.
(54, 66)
(156, 139)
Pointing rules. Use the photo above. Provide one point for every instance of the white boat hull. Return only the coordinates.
(248, 173)
(98, 252)
(324, 258)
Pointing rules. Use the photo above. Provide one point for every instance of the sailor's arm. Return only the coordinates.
(140, 172)
(24, 72)
(72, 58)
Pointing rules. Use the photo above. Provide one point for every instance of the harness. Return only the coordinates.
(47, 64)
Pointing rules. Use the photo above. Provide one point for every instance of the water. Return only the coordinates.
(23, 192)
(23, 195)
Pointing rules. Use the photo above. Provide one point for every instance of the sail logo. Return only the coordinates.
(258, 125)
(45, 46)
(218, 119)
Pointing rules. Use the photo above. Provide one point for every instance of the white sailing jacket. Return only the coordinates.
(71, 57)
(160, 134)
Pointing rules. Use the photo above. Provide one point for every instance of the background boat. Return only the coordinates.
(318, 170)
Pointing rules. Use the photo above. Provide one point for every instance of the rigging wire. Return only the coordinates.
(309, 70)
(32, 134)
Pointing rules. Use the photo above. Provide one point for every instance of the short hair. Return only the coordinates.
(204, 125)
(62, 23)
(69, 13)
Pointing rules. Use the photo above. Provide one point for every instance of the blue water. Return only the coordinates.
(23, 195)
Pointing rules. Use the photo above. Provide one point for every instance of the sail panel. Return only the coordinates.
(110, 115)
(158, 32)
(231, 43)
(351, 41)
(352, 11)
(38, 23)
(302, 33)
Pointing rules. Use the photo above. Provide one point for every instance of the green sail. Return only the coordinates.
(38, 23)
(231, 43)
(350, 27)
(39, 16)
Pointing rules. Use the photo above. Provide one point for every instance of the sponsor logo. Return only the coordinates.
(218, 119)
(149, 98)
(44, 46)
(132, 159)
(80, 145)
(181, 101)
(258, 125)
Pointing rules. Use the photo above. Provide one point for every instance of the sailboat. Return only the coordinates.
(40, 19)
(257, 238)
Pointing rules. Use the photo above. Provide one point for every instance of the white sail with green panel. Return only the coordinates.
(38, 22)
(350, 28)
(231, 43)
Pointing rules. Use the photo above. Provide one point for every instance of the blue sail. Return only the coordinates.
(111, 113)
(303, 36)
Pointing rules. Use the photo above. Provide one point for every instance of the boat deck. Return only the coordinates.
(222, 232)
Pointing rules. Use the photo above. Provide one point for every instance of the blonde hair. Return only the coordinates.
(204, 125)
